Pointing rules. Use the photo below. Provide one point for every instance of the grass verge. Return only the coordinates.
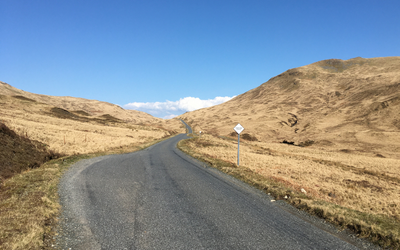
(379, 229)
(29, 203)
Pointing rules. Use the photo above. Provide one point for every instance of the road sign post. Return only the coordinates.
(238, 157)
(239, 128)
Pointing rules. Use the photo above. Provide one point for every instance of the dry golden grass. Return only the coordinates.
(91, 107)
(346, 112)
(28, 201)
(369, 185)
(28, 205)
(71, 136)
(349, 105)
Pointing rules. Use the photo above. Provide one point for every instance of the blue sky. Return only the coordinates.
(166, 57)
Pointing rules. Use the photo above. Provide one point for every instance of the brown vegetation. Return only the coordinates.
(77, 132)
(82, 106)
(353, 105)
(29, 203)
(35, 129)
(330, 128)
(356, 192)
(18, 153)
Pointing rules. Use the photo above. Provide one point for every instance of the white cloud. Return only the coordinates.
(169, 116)
(169, 109)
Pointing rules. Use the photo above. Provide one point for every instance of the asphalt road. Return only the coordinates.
(189, 129)
(159, 198)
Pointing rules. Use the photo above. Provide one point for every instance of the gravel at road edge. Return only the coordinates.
(72, 229)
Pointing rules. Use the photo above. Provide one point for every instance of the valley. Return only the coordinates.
(323, 137)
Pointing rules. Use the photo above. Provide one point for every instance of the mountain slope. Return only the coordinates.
(348, 105)
(75, 125)
(92, 107)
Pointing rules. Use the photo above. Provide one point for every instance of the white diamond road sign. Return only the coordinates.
(238, 128)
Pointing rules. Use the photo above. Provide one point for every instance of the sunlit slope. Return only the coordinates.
(92, 107)
(70, 132)
(70, 125)
(349, 105)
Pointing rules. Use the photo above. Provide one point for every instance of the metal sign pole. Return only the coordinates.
(238, 130)
(238, 148)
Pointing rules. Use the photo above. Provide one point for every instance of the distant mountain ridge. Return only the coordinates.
(346, 104)
(92, 107)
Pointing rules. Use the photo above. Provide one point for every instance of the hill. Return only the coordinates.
(92, 107)
(70, 125)
(37, 128)
(349, 105)
(324, 137)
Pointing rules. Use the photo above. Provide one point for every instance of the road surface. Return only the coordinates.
(159, 198)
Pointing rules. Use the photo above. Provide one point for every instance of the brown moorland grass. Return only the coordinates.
(29, 206)
(92, 109)
(29, 203)
(353, 191)
(345, 116)
(34, 132)
(71, 133)
(73, 104)
(18, 153)
(28, 196)
(344, 113)
(349, 105)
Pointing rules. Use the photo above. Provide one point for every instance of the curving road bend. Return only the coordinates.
(159, 198)
(189, 129)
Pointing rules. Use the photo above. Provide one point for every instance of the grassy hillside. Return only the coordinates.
(91, 107)
(76, 131)
(325, 137)
(35, 131)
(349, 105)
